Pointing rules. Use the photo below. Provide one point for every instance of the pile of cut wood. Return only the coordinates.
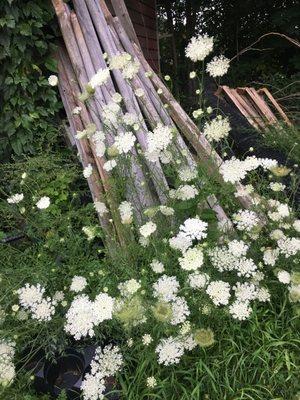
(93, 37)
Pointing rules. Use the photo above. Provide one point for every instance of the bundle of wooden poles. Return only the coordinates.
(91, 36)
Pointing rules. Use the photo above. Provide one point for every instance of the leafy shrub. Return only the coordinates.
(29, 106)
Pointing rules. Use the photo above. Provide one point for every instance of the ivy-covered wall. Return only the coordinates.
(28, 105)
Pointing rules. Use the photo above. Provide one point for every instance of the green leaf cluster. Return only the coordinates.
(28, 105)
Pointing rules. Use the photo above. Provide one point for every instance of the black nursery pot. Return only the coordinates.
(65, 374)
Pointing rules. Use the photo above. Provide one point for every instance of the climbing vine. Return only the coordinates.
(28, 105)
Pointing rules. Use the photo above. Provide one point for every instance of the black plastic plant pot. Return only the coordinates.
(66, 374)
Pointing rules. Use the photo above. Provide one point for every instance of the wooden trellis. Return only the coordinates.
(258, 106)
(90, 34)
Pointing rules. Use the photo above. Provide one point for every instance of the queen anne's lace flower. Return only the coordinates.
(197, 280)
(187, 174)
(44, 310)
(83, 314)
(30, 294)
(166, 288)
(180, 310)
(169, 351)
(7, 368)
(216, 129)
(270, 256)
(131, 69)
(100, 207)
(289, 246)
(199, 47)
(245, 267)
(43, 203)
(157, 266)
(124, 142)
(105, 363)
(222, 259)
(128, 288)
(125, 209)
(99, 78)
(32, 299)
(240, 310)
(284, 277)
(119, 61)
(78, 284)
(53, 80)
(218, 66)
(15, 198)
(158, 142)
(245, 220)
(180, 242)
(151, 382)
(147, 229)
(192, 259)
(219, 292)
(245, 291)
(109, 165)
(130, 119)
(88, 170)
(98, 139)
(193, 228)
(110, 114)
(184, 192)
(238, 248)
(147, 339)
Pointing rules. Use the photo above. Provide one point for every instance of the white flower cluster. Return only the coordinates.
(289, 246)
(100, 207)
(87, 171)
(7, 368)
(278, 211)
(43, 203)
(197, 280)
(31, 298)
(99, 78)
(128, 288)
(109, 165)
(110, 114)
(187, 174)
(89, 231)
(106, 362)
(232, 258)
(245, 220)
(219, 292)
(158, 142)
(157, 266)
(78, 284)
(98, 139)
(199, 47)
(124, 142)
(15, 198)
(169, 351)
(218, 66)
(131, 69)
(147, 229)
(119, 61)
(216, 129)
(235, 170)
(166, 288)
(192, 259)
(126, 209)
(193, 228)
(184, 192)
(84, 314)
(130, 119)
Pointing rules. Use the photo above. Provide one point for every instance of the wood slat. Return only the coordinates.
(275, 104)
